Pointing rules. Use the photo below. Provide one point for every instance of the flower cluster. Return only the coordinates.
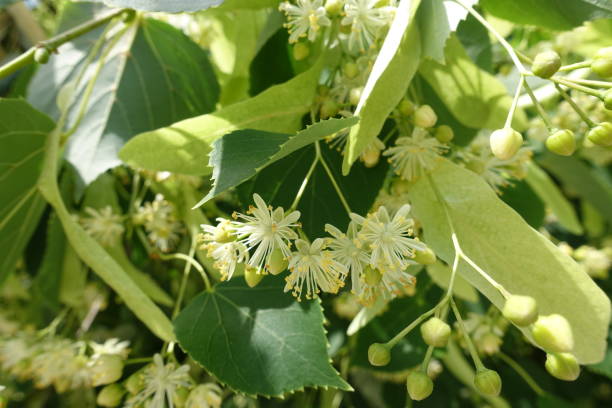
(159, 220)
(103, 225)
(376, 250)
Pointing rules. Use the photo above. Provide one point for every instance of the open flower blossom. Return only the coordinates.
(389, 238)
(262, 230)
(227, 256)
(103, 225)
(346, 249)
(314, 267)
(160, 223)
(384, 285)
(366, 21)
(304, 18)
(415, 155)
(110, 346)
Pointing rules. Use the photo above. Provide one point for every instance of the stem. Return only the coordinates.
(427, 359)
(332, 179)
(522, 372)
(539, 108)
(515, 58)
(300, 192)
(573, 85)
(589, 82)
(391, 343)
(138, 360)
(576, 108)
(193, 262)
(54, 43)
(517, 94)
(468, 340)
(571, 67)
(183, 287)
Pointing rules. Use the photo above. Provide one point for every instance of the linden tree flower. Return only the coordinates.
(366, 21)
(227, 256)
(346, 249)
(388, 238)
(385, 285)
(415, 155)
(305, 18)
(265, 230)
(205, 396)
(61, 363)
(316, 268)
(103, 225)
(15, 354)
(160, 223)
(110, 346)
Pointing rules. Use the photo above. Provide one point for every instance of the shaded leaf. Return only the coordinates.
(258, 340)
(441, 273)
(524, 201)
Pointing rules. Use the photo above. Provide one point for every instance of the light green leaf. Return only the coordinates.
(169, 6)
(440, 274)
(184, 146)
(73, 280)
(546, 189)
(23, 132)
(233, 164)
(388, 82)
(522, 260)
(248, 4)
(476, 98)
(258, 341)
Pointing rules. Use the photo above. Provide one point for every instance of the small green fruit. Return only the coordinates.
(521, 310)
(601, 134)
(444, 134)
(488, 382)
(251, 277)
(406, 107)
(553, 333)
(425, 257)
(562, 142)
(328, 109)
(546, 64)
(135, 382)
(425, 117)
(419, 385)
(107, 369)
(41, 55)
(301, 51)
(563, 366)
(224, 233)
(350, 70)
(278, 263)
(379, 354)
(372, 276)
(111, 395)
(602, 62)
(355, 96)
(435, 332)
(505, 143)
(607, 97)
(333, 7)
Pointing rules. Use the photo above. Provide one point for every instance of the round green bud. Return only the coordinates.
(521, 310)
(204, 395)
(333, 7)
(399, 186)
(607, 98)
(505, 143)
(379, 354)
(425, 257)
(406, 108)
(251, 276)
(301, 51)
(355, 96)
(223, 233)
(111, 395)
(602, 62)
(562, 142)
(350, 70)
(372, 276)
(601, 134)
(135, 382)
(370, 157)
(419, 385)
(435, 332)
(563, 366)
(488, 382)
(278, 263)
(425, 117)
(107, 369)
(328, 109)
(444, 134)
(488, 343)
(553, 333)
(179, 398)
(546, 64)
(41, 55)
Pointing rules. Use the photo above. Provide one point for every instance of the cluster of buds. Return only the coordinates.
(159, 220)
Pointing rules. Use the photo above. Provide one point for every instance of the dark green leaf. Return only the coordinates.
(475, 39)
(169, 6)
(524, 201)
(258, 341)
(23, 132)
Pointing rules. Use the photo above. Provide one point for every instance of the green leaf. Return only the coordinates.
(23, 132)
(546, 189)
(475, 39)
(233, 164)
(554, 14)
(441, 273)
(258, 341)
(248, 4)
(524, 201)
(476, 98)
(515, 255)
(169, 6)
(388, 82)
(148, 75)
(183, 147)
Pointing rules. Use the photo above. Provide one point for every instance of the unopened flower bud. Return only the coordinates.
(521, 310)
(370, 157)
(601, 134)
(419, 385)
(111, 395)
(278, 263)
(553, 333)
(425, 257)
(107, 369)
(505, 143)
(350, 70)
(488, 382)
(425, 117)
(406, 108)
(444, 134)
(607, 98)
(400, 186)
(563, 366)
(135, 382)
(546, 64)
(355, 96)
(488, 343)
(562, 142)
(41, 55)
(333, 7)
(435, 332)
(204, 395)
(602, 62)
(328, 109)
(179, 398)
(301, 51)
(379, 354)
(372, 276)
